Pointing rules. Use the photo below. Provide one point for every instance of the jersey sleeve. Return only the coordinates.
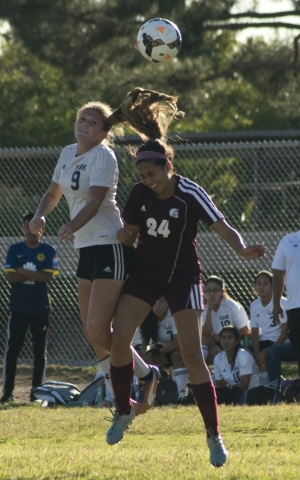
(279, 262)
(240, 317)
(57, 170)
(104, 169)
(132, 207)
(245, 363)
(11, 263)
(174, 329)
(217, 367)
(202, 205)
(253, 320)
(51, 261)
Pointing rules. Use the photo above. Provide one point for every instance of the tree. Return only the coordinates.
(37, 104)
(67, 52)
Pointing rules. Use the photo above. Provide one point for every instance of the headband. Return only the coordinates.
(149, 154)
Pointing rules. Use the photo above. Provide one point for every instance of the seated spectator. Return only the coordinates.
(282, 352)
(162, 348)
(235, 368)
(265, 332)
(220, 311)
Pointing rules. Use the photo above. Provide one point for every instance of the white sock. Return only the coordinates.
(104, 368)
(141, 369)
(204, 351)
(264, 378)
(181, 376)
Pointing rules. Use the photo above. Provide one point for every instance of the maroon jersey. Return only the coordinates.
(168, 228)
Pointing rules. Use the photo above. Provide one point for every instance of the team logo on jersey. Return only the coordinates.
(295, 245)
(29, 266)
(81, 167)
(143, 208)
(55, 262)
(40, 257)
(174, 212)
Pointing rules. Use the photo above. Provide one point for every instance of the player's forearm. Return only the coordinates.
(14, 277)
(47, 204)
(39, 276)
(278, 286)
(84, 216)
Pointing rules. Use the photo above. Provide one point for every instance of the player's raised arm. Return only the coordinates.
(235, 241)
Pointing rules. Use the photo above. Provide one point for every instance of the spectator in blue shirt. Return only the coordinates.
(30, 266)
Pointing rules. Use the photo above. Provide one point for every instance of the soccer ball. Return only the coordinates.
(159, 40)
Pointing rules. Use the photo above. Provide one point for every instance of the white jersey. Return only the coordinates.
(137, 339)
(287, 258)
(262, 317)
(230, 312)
(166, 330)
(244, 365)
(97, 167)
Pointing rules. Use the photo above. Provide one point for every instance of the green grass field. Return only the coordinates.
(166, 443)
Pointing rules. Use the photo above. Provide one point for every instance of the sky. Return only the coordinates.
(267, 6)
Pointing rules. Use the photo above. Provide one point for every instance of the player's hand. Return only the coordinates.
(65, 233)
(37, 225)
(125, 236)
(277, 313)
(253, 251)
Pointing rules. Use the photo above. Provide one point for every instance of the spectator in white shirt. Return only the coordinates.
(265, 332)
(220, 311)
(235, 368)
(286, 270)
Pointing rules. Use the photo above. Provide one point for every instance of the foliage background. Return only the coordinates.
(58, 54)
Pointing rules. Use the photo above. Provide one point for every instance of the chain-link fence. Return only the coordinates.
(254, 184)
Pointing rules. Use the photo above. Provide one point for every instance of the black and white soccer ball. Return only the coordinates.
(159, 40)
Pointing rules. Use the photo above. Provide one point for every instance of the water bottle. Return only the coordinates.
(246, 341)
(100, 395)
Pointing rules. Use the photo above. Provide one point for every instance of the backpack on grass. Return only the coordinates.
(290, 390)
(264, 394)
(53, 393)
(166, 392)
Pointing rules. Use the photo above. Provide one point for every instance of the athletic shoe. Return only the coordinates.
(147, 391)
(7, 397)
(119, 424)
(218, 452)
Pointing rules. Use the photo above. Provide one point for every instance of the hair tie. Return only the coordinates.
(148, 154)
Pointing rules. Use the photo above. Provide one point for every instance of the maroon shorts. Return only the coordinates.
(181, 293)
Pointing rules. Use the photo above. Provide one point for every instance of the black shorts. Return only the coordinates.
(113, 262)
(181, 294)
(263, 344)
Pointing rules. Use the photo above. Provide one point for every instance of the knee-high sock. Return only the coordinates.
(141, 369)
(104, 369)
(122, 379)
(205, 396)
(181, 376)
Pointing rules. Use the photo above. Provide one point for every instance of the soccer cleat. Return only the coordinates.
(119, 424)
(147, 391)
(218, 452)
(7, 397)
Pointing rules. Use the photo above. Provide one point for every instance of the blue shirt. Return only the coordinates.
(30, 296)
